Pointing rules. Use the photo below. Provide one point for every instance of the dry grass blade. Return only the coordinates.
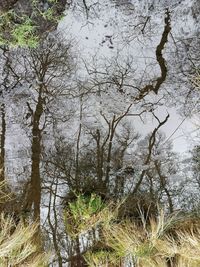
(196, 80)
(16, 245)
(102, 259)
(156, 243)
(4, 191)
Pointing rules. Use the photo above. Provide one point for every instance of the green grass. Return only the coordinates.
(86, 213)
(22, 31)
(21, 34)
(24, 35)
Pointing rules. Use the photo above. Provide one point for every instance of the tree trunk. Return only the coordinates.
(36, 152)
(2, 141)
(34, 192)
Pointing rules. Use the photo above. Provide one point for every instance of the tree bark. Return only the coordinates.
(34, 192)
(2, 141)
(36, 153)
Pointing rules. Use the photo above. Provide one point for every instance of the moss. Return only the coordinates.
(14, 33)
(19, 30)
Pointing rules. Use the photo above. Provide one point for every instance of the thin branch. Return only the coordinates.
(151, 144)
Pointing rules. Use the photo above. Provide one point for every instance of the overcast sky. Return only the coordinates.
(106, 34)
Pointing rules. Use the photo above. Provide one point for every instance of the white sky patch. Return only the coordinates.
(111, 30)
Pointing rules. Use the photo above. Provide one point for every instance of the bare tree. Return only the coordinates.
(44, 71)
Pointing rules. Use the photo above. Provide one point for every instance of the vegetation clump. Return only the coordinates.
(86, 213)
(164, 240)
(18, 245)
(24, 27)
